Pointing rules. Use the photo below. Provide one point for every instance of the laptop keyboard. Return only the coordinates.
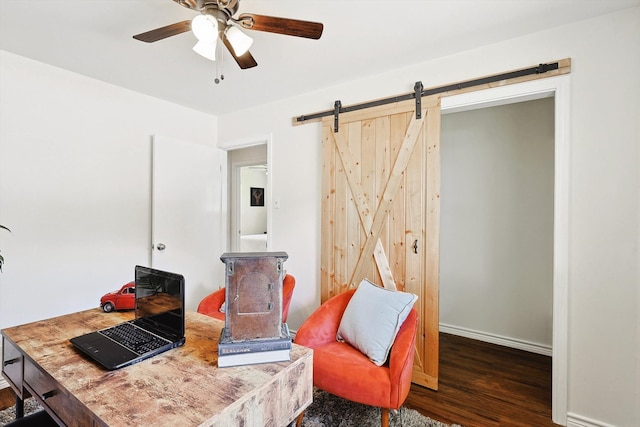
(135, 339)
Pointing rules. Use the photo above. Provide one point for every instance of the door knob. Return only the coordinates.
(160, 246)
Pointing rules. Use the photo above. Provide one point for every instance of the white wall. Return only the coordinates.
(603, 311)
(75, 157)
(496, 252)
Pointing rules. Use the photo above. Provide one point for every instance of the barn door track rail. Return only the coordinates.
(549, 69)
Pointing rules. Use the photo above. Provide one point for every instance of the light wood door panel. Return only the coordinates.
(380, 211)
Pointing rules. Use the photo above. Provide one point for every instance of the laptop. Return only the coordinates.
(158, 326)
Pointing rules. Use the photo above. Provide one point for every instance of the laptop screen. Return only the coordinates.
(160, 300)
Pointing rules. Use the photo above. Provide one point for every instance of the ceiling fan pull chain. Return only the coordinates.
(220, 55)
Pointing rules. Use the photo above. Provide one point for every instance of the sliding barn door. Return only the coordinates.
(381, 210)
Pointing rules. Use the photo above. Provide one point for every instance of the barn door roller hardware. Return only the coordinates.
(417, 93)
(336, 113)
(420, 92)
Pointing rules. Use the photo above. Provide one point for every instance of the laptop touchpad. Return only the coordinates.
(104, 350)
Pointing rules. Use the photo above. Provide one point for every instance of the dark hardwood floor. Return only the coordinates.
(485, 385)
(7, 398)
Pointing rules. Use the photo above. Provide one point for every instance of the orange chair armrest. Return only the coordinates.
(212, 302)
(322, 326)
(401, 359)
(288, 285)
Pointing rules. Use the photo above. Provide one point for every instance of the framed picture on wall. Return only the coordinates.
(257, 196)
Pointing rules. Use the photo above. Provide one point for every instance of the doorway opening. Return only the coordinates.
(496, 248)
(558, 88)
(248, 199)
(496, 263)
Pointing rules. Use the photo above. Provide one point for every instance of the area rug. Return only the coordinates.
(325, 411)
(9, 414)
(328, 410)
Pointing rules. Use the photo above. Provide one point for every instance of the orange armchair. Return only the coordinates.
(344, 371)
(210, 305)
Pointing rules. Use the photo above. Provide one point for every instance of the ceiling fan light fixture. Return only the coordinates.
(205, 28)
(238, 40)
(206, 49)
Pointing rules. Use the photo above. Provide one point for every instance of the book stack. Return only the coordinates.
(253, 330)
(260, 350)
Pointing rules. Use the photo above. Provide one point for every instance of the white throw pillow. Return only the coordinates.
(373, 318)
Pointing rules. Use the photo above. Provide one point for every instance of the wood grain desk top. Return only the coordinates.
(181, 387)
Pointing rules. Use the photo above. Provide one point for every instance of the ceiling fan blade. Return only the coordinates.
(289, 27)
(164, 32)
(245, 61)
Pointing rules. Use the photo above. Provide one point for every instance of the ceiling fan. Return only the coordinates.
(217, 21)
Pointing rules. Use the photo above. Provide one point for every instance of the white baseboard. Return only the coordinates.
(574, 420)
(497, 339)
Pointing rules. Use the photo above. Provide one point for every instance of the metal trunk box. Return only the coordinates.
(253, 294)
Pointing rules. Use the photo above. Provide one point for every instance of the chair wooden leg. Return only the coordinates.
(385, 416)
(299, 419)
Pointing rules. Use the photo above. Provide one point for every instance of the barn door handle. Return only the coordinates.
(415, 246)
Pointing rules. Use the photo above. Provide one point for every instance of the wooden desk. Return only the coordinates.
(181, 387)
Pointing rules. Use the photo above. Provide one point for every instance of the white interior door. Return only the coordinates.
(188, 214)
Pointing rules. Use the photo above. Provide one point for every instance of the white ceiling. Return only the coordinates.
(94, 38)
